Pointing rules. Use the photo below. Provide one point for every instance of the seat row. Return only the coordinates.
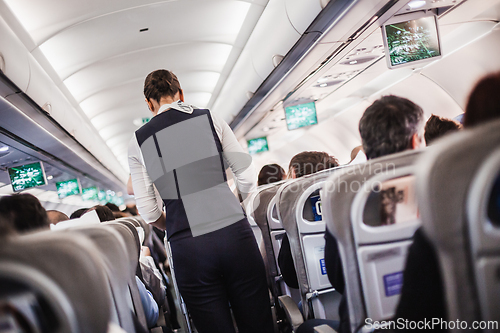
(78, 279)
(372, 210)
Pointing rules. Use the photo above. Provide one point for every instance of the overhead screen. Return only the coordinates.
(258, 145)
(27, 176)
(301, 115)
(411, 39)
(67, 188)
(90, 193)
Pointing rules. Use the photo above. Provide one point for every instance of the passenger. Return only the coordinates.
(117, 213)
(390, 125)
(131, 209)
(484, 101)
(148, 303)
(309, 162)
(56, 216)
(271, 173)
(436, 127)
(422, 295)
(23, 212)
(104, 213)
(217, 260)
(305, 163)
(78, 213)
(357, 156)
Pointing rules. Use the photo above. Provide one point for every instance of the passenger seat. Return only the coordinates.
(61, 274)
(458, 190)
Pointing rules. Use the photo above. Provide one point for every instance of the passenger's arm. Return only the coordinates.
(148, 200)
(238, 160)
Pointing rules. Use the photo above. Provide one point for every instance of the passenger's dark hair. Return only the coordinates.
(56, 216)
(388, 125)
(104, 213)
(113, 207)
(436, 127)
(309, 162)
(270, 173)
(78, 213)
(161, 83)
(23, 212)
(484, 101)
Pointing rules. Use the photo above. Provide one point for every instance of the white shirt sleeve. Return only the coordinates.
(148, 200)
(239, 161)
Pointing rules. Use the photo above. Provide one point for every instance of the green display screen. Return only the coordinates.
(412, 40)
(257, 145)
(301, 115)
(67, 188)
(90, 193)
(27, 176)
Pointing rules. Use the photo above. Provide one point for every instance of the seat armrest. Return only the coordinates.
(292, 312)
(324, 329)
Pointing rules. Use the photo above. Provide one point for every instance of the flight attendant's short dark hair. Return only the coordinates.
(388, 125)
(161, 83)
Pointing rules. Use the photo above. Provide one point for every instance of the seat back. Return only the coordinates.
(371, 210)
(257, 213)
(129, 234)
(297, 203)
(119, 268)
(458, 192)
(64, 272)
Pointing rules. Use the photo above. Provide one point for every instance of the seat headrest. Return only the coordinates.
(73, 264)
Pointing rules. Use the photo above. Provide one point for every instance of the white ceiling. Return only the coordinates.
(97, 50)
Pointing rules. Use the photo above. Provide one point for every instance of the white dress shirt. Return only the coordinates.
(148, 200)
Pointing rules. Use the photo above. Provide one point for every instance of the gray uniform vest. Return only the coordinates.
(183, 157)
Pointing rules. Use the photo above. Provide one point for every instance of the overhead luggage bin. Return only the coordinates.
(458, 189)
(371, 211)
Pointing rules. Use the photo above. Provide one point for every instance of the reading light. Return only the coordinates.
(4, 148)
(416, 3)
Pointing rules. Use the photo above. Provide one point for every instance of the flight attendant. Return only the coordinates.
(177, 160)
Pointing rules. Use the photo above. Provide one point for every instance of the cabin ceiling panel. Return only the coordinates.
(127, 112)
(473, 63)
(188, 57)
(98, 51)
(108, 36)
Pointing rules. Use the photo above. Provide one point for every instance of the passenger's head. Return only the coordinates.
(78, 213)
(161, 84)
(309, 162)
(56, 216)
(271, 173)
(484, 101)
(113, 207)
(355, 151)
(436, 127)
(104, 213)
(131, 209)
(23, 212)
(390, 125)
